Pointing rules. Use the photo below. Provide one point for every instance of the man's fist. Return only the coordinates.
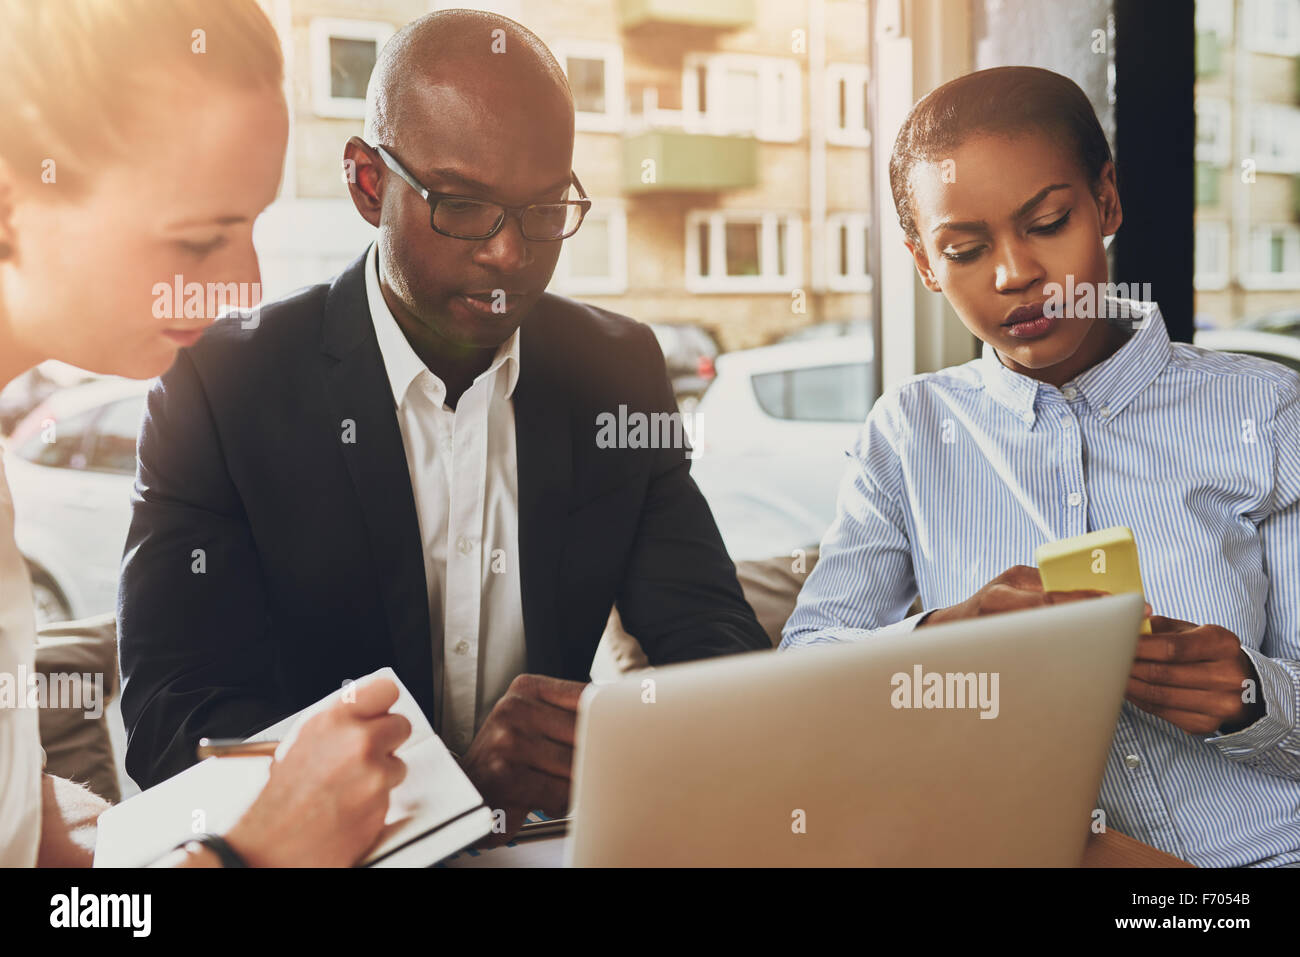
(521, 758)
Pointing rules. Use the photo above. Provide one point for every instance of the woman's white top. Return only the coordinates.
(20, 744)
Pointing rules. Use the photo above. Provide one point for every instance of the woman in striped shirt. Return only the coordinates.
(1081, 415)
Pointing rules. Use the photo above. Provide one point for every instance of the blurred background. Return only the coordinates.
(736, 150)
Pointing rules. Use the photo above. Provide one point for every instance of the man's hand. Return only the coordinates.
(1194, 676)
(325, 801)
(1018, 587)
(521, 758)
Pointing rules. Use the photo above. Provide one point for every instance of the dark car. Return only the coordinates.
(689, 351)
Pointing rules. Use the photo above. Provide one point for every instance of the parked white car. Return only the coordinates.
(71, 465)
(774, 429)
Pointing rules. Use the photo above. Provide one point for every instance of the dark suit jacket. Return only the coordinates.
(268, 560)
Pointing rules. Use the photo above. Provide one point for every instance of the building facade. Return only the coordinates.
(1247, 159)
(725, 144)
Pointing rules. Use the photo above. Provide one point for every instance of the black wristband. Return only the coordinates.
(228, 856)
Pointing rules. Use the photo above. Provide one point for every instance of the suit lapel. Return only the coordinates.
(358, 391)
(544, 451)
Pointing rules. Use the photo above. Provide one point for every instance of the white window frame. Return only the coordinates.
(1215, 110)
(1259, 27)
(1283, 137)
(768, 280)
(565, 283)
(1215, 276)
(858, 280)
(1259, 238)
(776, 76)
(612, 120)
(854, 76)
(1214, 16)
(322, 29)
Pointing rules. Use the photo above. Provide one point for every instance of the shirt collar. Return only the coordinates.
(1107, 387)
(400, 361)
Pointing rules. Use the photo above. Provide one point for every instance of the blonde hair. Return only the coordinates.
(77, 72)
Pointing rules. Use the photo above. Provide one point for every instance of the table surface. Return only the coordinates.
(1109, 849)
(1113, 849)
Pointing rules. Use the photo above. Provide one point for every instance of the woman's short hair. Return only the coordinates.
(1007, 100)
(76, 72)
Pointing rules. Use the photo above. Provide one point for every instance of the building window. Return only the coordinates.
(1272, 26)
(593, 261)
(1214, 16)
(1211, 255)
(1275, 138)
(742, 252)
(1213, 131)
(848, 253)
(729, 94)
(595, 72)
(343, 55)
(846, 104)
(1272, 258)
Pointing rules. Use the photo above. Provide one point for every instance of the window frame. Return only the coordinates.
(566, 284)
(855, 77)
(1258, 28)
(1218, 152)
(1285, 127)
(1289, 278)
(767, 281)
(614, 119)
(1212, 279)
(858, 225)
(321, 31)
(717, 119)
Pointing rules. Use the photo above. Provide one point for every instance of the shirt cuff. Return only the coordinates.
(1278, 689)
(831, 635)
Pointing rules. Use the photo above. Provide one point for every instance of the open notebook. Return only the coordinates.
(433, 813)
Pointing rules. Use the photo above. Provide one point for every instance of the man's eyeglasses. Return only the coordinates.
(462, 217)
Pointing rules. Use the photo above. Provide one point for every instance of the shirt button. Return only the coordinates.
(462, 647)
(464, 545)
(1104, 410)
(1132, 760)
(1074, 498)
(1070, 392)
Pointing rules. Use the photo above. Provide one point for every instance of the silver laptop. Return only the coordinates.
(978, 743)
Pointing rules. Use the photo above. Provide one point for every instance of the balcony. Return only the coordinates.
(672, 150)
(709, 14)
(663, 160)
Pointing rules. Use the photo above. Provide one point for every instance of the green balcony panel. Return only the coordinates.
(660, 161)
(720, 14)
(1207, 53)
(1207, 185)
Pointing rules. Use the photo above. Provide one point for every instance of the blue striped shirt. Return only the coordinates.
(957, 475)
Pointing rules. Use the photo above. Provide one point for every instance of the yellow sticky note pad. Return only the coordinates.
(1100, 561)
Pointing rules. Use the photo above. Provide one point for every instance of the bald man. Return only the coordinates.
(405, 466)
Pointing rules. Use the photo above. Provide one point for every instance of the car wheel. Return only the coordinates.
(50, 605)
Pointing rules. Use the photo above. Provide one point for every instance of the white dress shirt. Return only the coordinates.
(463, 474)
(20, 740)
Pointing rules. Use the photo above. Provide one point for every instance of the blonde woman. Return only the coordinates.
(139, 140)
